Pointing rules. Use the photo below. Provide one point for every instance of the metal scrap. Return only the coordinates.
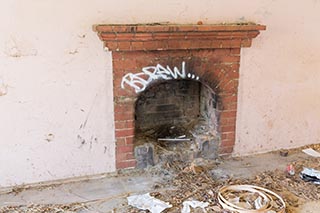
(174, 139)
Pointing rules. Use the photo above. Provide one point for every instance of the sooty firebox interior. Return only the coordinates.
(175, 120)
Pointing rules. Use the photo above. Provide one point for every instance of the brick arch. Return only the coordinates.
(211, 52)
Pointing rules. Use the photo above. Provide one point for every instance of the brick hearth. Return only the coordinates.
(210, 54)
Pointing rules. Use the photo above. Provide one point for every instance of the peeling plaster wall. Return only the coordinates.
(56, 81)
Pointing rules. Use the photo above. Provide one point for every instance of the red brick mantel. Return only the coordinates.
(210, 52)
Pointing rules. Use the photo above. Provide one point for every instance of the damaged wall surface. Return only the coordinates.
(56, 101)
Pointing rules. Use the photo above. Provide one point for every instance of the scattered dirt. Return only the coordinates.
(202, 187)
(195, 181)
(50, 208)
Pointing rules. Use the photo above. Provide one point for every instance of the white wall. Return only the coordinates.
(279, 83)
(56, 76)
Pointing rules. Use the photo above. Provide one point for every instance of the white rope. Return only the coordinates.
(265, 196)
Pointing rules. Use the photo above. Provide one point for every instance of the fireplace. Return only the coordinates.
(176, 120)
(175, 89)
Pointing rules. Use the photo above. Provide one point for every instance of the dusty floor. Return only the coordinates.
(174, 183)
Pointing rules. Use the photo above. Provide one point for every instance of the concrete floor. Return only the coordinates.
(101, 195)
(105, 194)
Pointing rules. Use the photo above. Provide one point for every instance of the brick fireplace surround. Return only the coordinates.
(211, 54)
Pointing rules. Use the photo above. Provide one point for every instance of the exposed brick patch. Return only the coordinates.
(125, 164)
(124, 132)
(124, 116)
(129, 140)
(125, 149)
(129, 124)
(226, 150)
(214, 67)
(211, 52)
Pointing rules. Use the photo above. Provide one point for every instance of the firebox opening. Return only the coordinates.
(175, 120)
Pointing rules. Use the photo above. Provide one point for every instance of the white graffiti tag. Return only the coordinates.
(139, 81)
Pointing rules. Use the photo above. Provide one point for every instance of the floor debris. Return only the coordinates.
(249, 198)
(194, 204)
(284, 153)
(290, 169)
(199, 181)
(310, 175)
(147, 202)
(202, 186)
(49, 208)
(312, 152)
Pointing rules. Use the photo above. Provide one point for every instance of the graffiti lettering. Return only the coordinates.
(139, 81)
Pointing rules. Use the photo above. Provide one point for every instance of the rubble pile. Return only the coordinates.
(196, 183)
